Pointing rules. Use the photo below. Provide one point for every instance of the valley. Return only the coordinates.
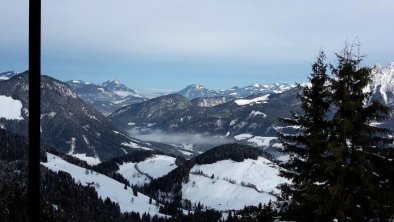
(185, 153)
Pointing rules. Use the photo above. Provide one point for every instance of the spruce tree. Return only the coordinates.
(354, 185)
(307, 148)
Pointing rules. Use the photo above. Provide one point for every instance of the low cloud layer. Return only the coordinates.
(180, 138)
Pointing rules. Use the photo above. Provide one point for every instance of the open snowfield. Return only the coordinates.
(157, 166)
(222, 195)
(10, 108)
(128, 171)
(105, 186)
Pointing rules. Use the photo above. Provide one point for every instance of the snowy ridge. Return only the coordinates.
(198, 91)
(105, 186)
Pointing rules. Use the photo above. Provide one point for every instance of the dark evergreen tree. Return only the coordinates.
(307, 148)
(354, 183)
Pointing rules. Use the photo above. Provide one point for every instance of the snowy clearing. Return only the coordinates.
(10, 108)
(128, 171)
(157, 166)
(90, 160)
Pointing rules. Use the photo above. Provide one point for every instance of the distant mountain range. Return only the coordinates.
(199, 91)
(106, 97)
(112, 95)
(252, 120)
(248, 115)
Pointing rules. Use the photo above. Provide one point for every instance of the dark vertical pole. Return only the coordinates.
(34, 109)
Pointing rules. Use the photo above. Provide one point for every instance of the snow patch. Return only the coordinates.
(50, 115)
(261, 141)
(72, 144)
(10, 108)
(255, 113)
(90, 160)
(257, 100)
(243, 136)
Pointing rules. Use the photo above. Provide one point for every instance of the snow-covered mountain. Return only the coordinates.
(382, 85)
(106, 97)
(7, 75)
(120, 89)
(255, 115)
(211, 101)
(67, 122)
(199, 91)
(256, 89)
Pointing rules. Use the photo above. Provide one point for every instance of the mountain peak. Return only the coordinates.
(196, 91)
(196, 86)
(112, 82)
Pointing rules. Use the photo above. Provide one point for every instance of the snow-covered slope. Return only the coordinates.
(211, 101)
(197, 91)
(157, 166)
(120, 89)
(10, 108)
(142, 172)
(256, 88)
(257, 100)
(228, 184)
(382, 85)
(105, 186)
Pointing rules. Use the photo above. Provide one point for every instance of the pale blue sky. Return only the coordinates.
(164, 45)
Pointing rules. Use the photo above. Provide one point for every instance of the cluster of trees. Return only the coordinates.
(340, 163)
